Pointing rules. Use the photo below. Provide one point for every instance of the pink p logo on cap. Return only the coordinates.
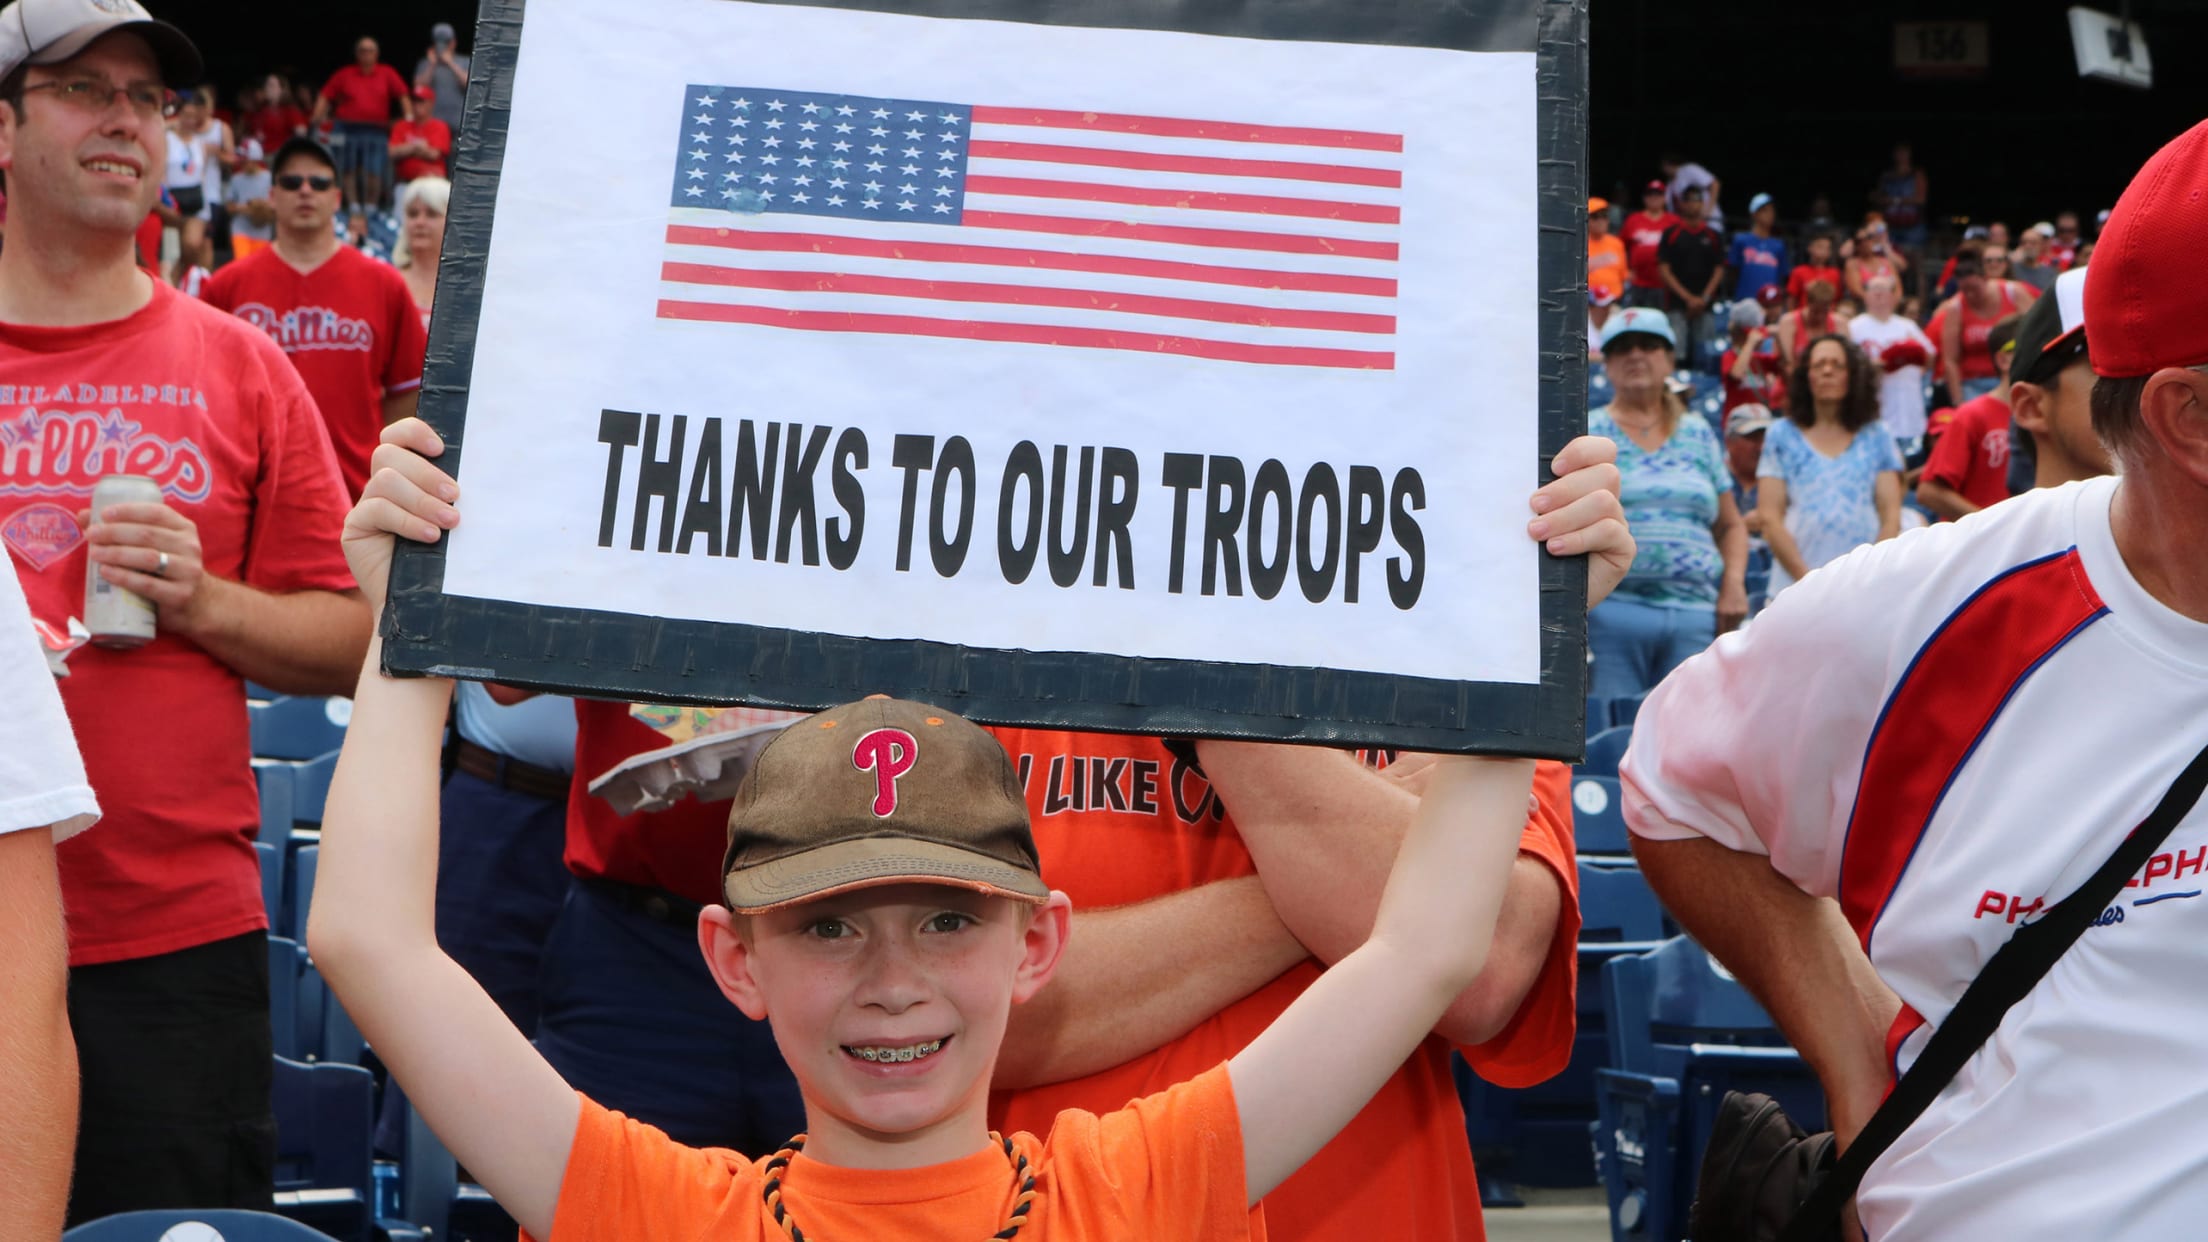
(889, 754)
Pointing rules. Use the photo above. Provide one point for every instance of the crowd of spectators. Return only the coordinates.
(1831, 362)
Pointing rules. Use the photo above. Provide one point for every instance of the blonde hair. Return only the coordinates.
(434, 193)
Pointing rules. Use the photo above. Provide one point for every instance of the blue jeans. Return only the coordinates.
(1976, 388)
(500, 886)
(1636, 644)
(633, 1020)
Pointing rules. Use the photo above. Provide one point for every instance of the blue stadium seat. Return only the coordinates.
(1625, 708)
(275, 780)
(301, 728)
(271, 858)
(1682, 1033)
(1599, 391)
(254, 691)
(325, 1168)
(305, 861)
(1598, 819)
(1604, 750)
(285, 960)
(1616, 906)
(310, 788)
(1598, 714)
(229, 1224)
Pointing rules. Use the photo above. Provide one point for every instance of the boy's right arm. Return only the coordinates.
(504, 1112)
(1309, 1073)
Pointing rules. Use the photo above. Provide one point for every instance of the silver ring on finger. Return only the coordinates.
(161, 565)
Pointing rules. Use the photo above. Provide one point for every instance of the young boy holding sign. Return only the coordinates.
(884, 914)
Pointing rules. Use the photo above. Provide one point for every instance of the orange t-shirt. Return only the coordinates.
(1169, 1166)
(1119, 819)
(1606, 264)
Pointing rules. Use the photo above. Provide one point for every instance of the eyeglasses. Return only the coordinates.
(94, 95)
(295, 181)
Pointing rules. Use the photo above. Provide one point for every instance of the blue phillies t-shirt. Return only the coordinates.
(1756, 262)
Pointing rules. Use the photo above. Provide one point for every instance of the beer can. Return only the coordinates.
(117, 617)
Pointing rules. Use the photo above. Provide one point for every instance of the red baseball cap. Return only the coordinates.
(2143, 296)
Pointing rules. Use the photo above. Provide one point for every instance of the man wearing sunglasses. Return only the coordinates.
(105, 370)
(348, 322)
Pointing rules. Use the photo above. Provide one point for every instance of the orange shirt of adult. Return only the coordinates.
(1120, 819)
(1165, 1167)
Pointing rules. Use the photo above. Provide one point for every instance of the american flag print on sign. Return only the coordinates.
(1238, 242)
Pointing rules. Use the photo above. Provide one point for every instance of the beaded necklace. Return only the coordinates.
(1022, 1177)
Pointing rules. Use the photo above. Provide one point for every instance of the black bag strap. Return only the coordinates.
(2012, 972)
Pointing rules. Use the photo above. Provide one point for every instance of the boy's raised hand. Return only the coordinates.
(1578, 513)
(406, 495)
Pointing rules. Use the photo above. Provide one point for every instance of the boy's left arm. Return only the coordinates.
(501, 1109)
(1324, 829)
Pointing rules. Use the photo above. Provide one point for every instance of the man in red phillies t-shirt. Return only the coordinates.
(1643, 233)
(421, 144)
(347, 321)
(363, 96)
(105, 370)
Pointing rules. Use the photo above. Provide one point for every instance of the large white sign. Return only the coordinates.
(1012, 336)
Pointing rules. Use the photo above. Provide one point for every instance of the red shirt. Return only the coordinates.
(436, 133)
(272, 127)
(1402, 1168)
(1976, 358)
(1972, 455)
(350, 327)
(364, 96)
(1643, 233)
(1766, 382)
(210, 410)
(1797, 284)
(678, 849)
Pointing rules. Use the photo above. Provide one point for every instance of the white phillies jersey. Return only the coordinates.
(1948, 733)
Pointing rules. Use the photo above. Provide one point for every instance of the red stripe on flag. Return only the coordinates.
(1232, 239)
(1210, 165)
(1953, 690)
(1026, 295)
(1051, 260)
(1176, 127)
(1031, 334)
(1194, 200)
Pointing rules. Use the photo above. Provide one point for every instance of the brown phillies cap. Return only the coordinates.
(881, 791)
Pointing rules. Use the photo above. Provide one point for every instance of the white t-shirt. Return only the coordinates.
(2020, 703)
(41, 775)
(1901, 392)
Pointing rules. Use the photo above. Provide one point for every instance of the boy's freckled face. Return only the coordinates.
(890, 1003)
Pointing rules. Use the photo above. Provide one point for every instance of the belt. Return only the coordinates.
(657, 904)
(486, 764)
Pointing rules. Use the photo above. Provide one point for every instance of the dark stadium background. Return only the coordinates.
(1770, 95)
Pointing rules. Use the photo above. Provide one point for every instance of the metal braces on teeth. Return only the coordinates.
(912, 1053)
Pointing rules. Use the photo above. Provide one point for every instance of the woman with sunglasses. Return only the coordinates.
(1983, 297)
(1689, 578)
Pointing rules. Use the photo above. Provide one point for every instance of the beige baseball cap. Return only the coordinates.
(881, 791)
(47, 32)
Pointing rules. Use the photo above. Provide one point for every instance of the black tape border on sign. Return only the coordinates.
(649, 659)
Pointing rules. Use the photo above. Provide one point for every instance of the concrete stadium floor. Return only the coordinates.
(1552, 1216)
